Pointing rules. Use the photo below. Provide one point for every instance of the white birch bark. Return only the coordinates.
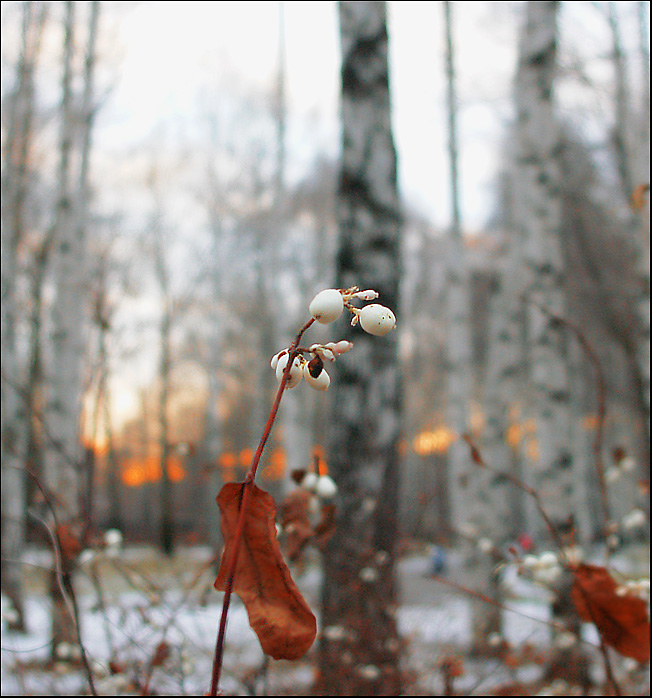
(631, 150)
(538, 212)
(552, 471)
(458, 335)
(69, 315)
(17, 150)
(476, 497)
(362, 451)
(67, 341)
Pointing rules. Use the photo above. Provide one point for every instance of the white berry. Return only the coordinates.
(485, 545)
(326, 487)
(296, 372)
(548, 559)
(309, 482)
(113, 538)
(327, 306)
(634, 519)
(340, 347)
(367, 295)
(276, 357)
(320, 382)
(376, 319)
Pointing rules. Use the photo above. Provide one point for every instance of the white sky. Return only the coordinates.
(170, 51)
(173, 48)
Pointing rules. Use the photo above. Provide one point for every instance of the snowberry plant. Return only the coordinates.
(252, 564)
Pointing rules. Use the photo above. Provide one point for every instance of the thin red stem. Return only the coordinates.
(601, 407)
(479, 460)
(244, 502)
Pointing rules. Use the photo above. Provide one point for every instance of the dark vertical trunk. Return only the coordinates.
(359, 651)
(167, 515)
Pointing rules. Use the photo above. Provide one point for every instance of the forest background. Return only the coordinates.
(195, 181)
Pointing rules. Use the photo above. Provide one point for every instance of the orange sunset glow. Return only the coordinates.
(137, 471)
(271, 469)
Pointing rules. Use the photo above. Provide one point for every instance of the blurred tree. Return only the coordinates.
(458, 366)
(478, 498)
(18, 126)
(102, 428)
(632, 161)
(162, 273)
(538, 217)
(537, 208)
(69, 313)
(360, 649)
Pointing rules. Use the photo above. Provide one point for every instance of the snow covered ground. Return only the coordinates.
(141, 605)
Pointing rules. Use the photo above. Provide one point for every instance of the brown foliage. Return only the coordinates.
(70, 542)
(161, 653)
(326, 525)
(278, 613)
(621, 620)
(639, 196)
(295, 520)
(298, 527)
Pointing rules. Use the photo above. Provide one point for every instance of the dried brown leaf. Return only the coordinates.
(621, 620)
(69, 541)
(639, 196)
(161, 653)
(326, 525)
(296, 524)
(278, 613)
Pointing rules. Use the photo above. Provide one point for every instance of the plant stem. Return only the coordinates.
(246, 494)
(479, 460)
(601, 408)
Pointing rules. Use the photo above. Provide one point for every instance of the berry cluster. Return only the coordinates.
(326, 307)
(544, 568)
(375, 319)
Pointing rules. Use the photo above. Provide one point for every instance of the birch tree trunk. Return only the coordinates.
(17, 150)
(505, 373)
(471, 487)
(458, 359)
(359, 650)
(83, 217)
(162, 273)
(633, 163)
(538, 218)
(69, 266)
(538, 222)
(644, 259)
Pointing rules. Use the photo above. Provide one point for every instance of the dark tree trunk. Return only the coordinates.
(359, 651)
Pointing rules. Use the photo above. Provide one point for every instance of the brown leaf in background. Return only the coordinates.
(69, 542)
(621, 620)
(298, 474)
(638, 196)
(161, 653)
(326, 525)
(278, 613)
(295, 522)
(295, 507)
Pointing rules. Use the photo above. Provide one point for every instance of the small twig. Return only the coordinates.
(603, 647)
(601, 405)
(478, 595)
(95, 579)
(246, 494)
(151, 665)
(63, 577)
(479, 460)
